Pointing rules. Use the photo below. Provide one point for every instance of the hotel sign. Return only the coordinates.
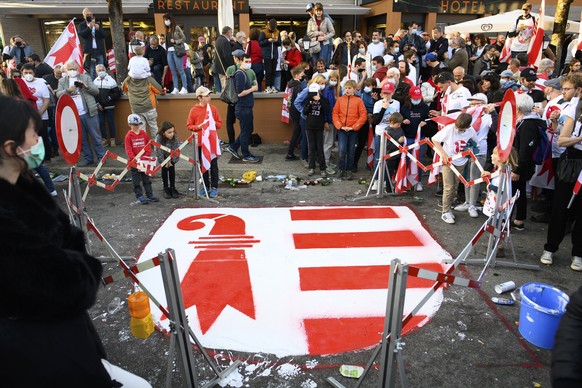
(457, 6)
(197, 7)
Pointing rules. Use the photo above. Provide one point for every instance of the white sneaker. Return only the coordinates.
(448, 218)
(375, 185)
(462, 207)
(473, 212)
(175, 91)
(546, 258)
(419, 187)
(267, 90)
(183, 91)
(53, 193)
(576, 263)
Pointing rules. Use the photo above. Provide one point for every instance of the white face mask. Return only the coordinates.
(332, 83)
(413, 31)
(502, 81)
(246, 66)
(28, 77)
(168, 23)
(321, 87)
(396, 50)
(102, 74)
(367, 89)
(72, 73)
(374, 68)
(415, 102)
(375, 40)
(362, 51)
(392, 81)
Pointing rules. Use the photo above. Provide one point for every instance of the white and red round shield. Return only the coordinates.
(506, 125)
(68, 125)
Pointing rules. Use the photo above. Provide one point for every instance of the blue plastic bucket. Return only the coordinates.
(542, 307)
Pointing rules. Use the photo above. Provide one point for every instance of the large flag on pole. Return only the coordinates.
(66, 48)
(225, 15)
(210, 147)
(537, 43)
(505, 55)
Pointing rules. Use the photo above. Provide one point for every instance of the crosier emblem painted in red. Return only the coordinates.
(293, 281)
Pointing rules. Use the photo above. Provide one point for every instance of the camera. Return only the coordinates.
(18, 44)
(78, 84)
(89, 18)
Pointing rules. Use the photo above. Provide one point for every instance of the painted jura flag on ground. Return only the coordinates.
(210, 146)
(293, 281)
(66, 48)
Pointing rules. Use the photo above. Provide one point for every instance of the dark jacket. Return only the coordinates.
(566, 360)
(296, 87)
(108, 92)
(42, 69)
(459, 58)
(243, 82)
(416, 114)
(47, 283)
(224, 52)
(315, 112)
(525, 143)
(270, 48)
(87, 38)
(172, 144)
(402, 90)
(413, 40)
(340, 56)
(439, 46)
(159, 56)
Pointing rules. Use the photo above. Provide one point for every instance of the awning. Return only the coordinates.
(47, 7)
(299, 9)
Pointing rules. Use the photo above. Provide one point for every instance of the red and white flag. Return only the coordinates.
(66, 48)
(401, 180)
(210, 147)
(537, 43)
(505, 55)
(576, 190)
(435, 171)
(413, 170)
(286, 103)
(111, 60)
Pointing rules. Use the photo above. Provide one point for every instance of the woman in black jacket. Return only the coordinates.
(525, 142)
(345, 51)
(48, 280)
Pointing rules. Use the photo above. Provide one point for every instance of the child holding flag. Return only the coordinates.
(205, 119)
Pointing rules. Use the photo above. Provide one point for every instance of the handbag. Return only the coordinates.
(180, 50)
(569, 165)
(314, 46)
(229, 94)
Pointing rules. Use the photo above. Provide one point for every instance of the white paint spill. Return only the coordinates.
(266, 372)
(462, 325)
(234, 379)
(124, 335)
(461, 336)
(309, 384)
(288, 370)
(310, 364)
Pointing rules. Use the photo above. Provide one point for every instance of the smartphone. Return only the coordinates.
(78, 84)
(377, 90)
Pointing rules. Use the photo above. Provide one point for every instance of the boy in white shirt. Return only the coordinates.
(138, 67)
(454, 139)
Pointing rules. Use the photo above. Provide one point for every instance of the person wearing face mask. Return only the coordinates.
(363, 53)
(47, 254)
(83, 91)
(270, 40)
(545, 69)
(522, 31)
(527, 80)
(376, 47)
(40, 90)
(415, 113)
(93, 40)
(320, 29)
(175, 36)
(157, 58)
(378, 68)
(413, 41)
(393, 54)
(345, 51)
(108, 93)
(316, 108)
(240, 41)
(507, 82)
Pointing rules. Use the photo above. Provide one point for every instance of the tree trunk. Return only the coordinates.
(115, 9)
(560, 21)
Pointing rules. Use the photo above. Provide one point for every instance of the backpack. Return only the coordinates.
(543, 149)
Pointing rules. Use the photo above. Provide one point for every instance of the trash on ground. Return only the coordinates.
(502, 301)
(351, 371)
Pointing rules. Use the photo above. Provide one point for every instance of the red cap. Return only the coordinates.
(415, 93)
(388, 87)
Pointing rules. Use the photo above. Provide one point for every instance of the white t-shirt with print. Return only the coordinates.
(394, 106)
(39, 89)
(77, 98)
(456, 100)
(455, 141)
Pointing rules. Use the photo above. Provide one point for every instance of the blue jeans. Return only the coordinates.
(157, 72)
(90, 129)
(346, 142)
(245, 117)
(217, 84)
(278, 80)
(46, 178)
(107, 115)
(324, 54)
(99, 60)
(259, 70)
(177, 69)
(189, 81)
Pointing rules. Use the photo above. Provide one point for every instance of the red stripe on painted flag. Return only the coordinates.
(393, 238)
(338, 335)
(352, 213)
(369, 277)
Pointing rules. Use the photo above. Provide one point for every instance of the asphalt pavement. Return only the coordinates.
(470, 342)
